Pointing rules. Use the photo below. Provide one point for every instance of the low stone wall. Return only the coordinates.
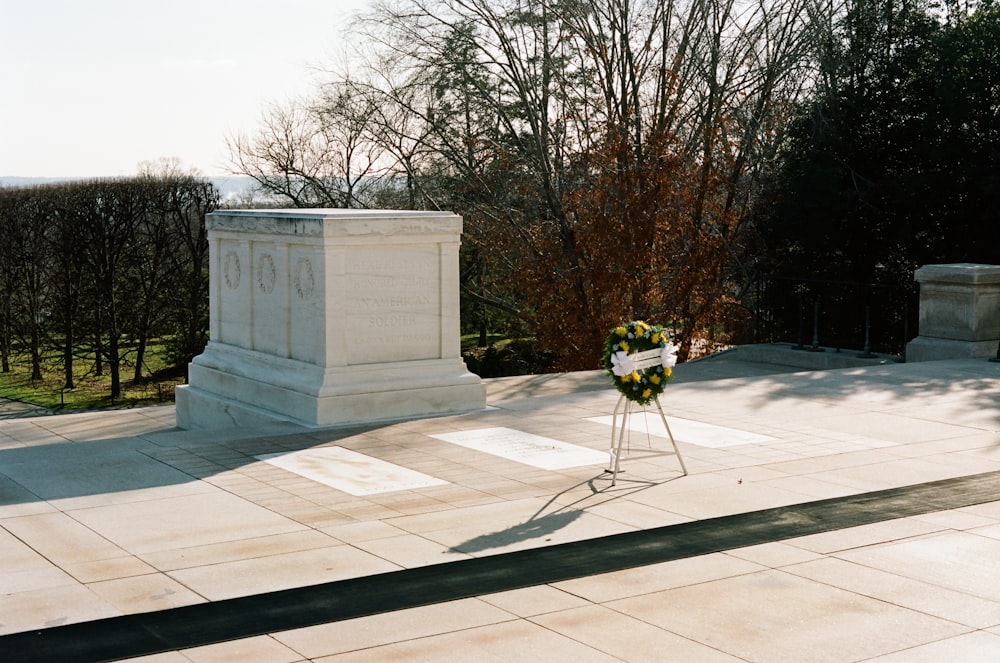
(784, 354)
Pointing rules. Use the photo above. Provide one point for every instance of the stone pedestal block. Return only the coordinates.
(959, 312)
(330, 316)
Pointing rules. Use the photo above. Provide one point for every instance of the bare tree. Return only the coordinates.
(602, 143)
(68, 284)
(314, 153)
(109, 213)
(8, 285)
(185, 201)
(26, 215)
(606, 154)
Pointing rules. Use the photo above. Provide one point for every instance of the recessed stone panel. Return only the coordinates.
(687, 430)
(351, 472)
(230, 294)
(393, 301)
(269, 314)
(527, 448)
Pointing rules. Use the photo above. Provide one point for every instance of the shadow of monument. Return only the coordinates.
(124, 465)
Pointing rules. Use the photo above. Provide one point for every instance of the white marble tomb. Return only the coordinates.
(330, 316)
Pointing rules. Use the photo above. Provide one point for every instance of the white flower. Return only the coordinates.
(669, 355)
(621, 365)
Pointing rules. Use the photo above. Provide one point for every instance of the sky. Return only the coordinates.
(91, 88)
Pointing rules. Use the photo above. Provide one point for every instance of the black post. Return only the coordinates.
(867, 354)
(815, 346)
(997, 358)
(801, 324)
(906, 325)
(758, 307)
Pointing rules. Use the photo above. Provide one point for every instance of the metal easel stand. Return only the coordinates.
(616, 446)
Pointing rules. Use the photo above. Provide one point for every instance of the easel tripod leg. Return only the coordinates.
(616, 447)
(677, 452)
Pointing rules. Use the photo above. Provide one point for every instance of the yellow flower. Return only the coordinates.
(636, 376)
(624, 346)
(667, 372)
(627, 378)
(654, 378)
(647, 393)
(641, 327)
(621, 331)
(656, 337)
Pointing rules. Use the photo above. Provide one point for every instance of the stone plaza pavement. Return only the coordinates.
(839, 515)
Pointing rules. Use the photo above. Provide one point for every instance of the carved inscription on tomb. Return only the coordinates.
(393, 304)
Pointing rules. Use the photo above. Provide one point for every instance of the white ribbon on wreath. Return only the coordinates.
(669, 355)
(623, 364)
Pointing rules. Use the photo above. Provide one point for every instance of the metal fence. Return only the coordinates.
(870, 318)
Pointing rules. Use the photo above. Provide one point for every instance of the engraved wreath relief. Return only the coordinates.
(305, 282)
(265, 273)
(231, 270)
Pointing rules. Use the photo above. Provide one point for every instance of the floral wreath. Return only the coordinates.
(639, 357)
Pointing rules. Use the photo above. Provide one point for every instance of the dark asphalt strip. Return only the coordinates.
(191, 626)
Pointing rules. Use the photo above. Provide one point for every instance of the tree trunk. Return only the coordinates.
(98, 354)
(36, 352)
(4, 353)
(142, 340)
(140, 357)
(114, 352)
(484, 337)
(114, 363)
(68, 382)
(69, 329)
(5, 344)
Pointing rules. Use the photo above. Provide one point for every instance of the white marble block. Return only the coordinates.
(959, 312)
(330, 316)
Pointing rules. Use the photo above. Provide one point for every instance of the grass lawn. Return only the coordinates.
(90, 392)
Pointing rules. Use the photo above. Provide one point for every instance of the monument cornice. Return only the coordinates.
(334, 222)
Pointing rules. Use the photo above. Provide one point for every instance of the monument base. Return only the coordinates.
(232, 386)
(925, 348)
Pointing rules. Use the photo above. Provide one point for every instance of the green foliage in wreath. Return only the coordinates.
(639, 385)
